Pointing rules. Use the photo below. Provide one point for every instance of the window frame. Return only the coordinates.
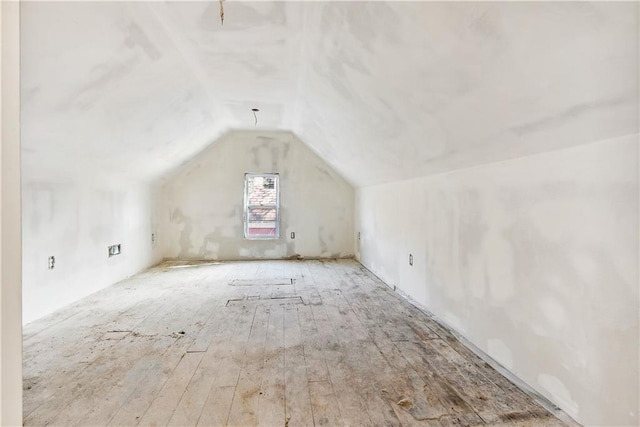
(247, 207)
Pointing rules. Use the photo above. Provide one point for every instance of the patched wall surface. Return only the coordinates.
(76, 223)
(534, 260)
(203, 202)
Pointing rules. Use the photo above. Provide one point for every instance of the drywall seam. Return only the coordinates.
(181, 167)
(228, 134)
(315, 151)
(502, 161)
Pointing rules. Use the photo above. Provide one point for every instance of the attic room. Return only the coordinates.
(320, 213)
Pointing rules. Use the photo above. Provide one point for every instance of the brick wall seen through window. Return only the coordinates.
(261, 213)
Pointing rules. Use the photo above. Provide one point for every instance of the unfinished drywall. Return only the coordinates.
(535, 260)
(140, 87)
(398, 90)
(76, 223)
(202, 214)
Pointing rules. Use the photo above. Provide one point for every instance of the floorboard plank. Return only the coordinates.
(162, 407)
(271, 411)
(244, 407)
(180, 345)
(297, 397)
(143, 394)
(324, 404)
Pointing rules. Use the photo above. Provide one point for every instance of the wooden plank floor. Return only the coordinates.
(318, 343)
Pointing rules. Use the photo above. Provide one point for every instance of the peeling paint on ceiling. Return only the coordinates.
(382, 90)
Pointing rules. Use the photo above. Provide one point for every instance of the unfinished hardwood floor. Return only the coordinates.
(273, 343)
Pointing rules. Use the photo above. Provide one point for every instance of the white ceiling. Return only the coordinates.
(382, 90)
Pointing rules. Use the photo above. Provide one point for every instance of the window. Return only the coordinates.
(261, 206)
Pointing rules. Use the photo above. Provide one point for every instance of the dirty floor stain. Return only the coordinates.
(165, 348)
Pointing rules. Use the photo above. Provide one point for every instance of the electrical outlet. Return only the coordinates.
(293, 235)
(153, 238)
(410, 259)
(52, 262)
(358, 236)
(114, 250)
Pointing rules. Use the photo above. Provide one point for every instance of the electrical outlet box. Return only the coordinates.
(52, 262)
(114, 250)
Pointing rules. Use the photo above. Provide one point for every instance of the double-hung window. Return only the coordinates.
(261, 206)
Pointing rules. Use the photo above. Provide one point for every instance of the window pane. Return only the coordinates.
(262, 214)
(262, 191)
(261, 222)
(261, 206)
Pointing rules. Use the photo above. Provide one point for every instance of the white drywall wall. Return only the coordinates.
(202, 217)
(140, 87)
(534, 260)
(378, 89)
(76, 222)
(397, 90)
(10, 243)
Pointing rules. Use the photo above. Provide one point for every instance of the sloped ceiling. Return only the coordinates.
(382, 90)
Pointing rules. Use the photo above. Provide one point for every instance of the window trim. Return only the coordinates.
(247, 207)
